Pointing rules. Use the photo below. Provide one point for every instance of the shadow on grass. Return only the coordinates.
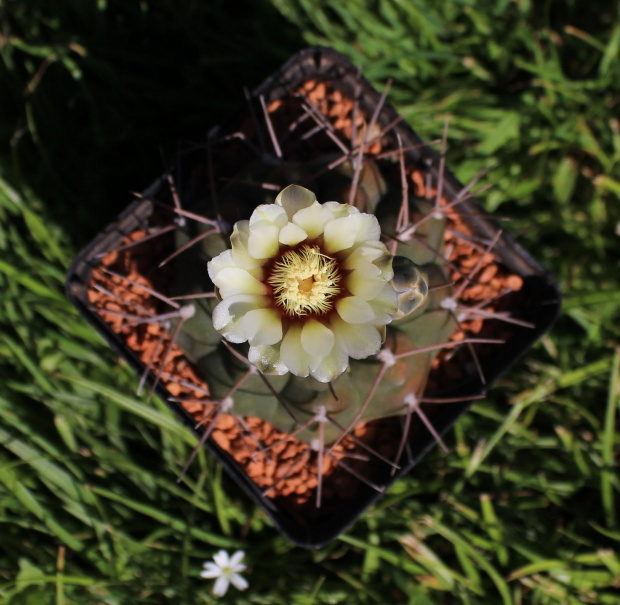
(100, 92)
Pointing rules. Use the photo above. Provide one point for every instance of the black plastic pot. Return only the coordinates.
(539, 299)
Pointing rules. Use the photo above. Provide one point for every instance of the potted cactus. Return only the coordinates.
(315, 294)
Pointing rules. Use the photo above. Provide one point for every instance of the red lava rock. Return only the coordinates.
(487, 274)
(514, 282)
(193, 408)
(221, 439)
(225, 422)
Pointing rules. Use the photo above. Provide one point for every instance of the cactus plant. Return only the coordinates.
(321, 301)
(314, 267)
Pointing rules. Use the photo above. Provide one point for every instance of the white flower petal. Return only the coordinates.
(355, 310)
(262, 327)
(239, 242)
(293, 198)
(224, 260)
(263, 240)
(221, 586)
(339, 234)
(333, 365)
(228, 315)
(293, 354)
(313, 219)
(269, 213)
(233, 281)
(221, 558)
(238, 582)
(211, 570)
(316, 339)
(366, 281)
(236, 558)
(267, 359)
(360, 340)
(292, 234)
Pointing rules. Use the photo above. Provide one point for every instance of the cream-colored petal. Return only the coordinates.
(224, 260)
(239, 242)
(374, 252)
(385, 305)
(360, 340)
(384, 264)
(333, 365)
(257, 273)
(366, 227)
(293, 198)
(267, 359)
(364, 253)
(339, 234)
(313, 219)
(341, 210)
(291, 234)
(233, 280)
(262, 327)
(271, 213)
(355, 310)
(228, 315)
(316, 338)
(292, 354)
(366, 281)
(263, 240)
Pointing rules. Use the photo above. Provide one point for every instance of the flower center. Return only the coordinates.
(305, 281)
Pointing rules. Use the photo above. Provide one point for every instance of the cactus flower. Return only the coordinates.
(307, 285)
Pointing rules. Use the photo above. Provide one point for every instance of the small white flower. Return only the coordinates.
(226, 569)
(307, 285)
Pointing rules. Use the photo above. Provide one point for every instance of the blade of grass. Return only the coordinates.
(542, 391)
(165, 519)
(163, 421)
(454, 538)
(14, 485)
(46, 469)
(384, 554)
(609, 467)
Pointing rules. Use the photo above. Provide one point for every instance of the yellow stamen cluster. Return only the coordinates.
(305, 281)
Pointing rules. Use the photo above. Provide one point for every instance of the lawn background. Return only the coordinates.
(95, 96)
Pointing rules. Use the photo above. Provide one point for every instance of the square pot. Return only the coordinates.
(304, 118)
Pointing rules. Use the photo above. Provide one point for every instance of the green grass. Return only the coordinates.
(525, 507)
